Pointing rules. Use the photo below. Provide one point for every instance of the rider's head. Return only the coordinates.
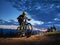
(24, 13)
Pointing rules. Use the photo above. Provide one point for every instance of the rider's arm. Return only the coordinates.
(28, 18)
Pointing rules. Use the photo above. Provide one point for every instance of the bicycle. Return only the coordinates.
(25, 29)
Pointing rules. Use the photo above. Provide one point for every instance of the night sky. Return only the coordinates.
(44, 13)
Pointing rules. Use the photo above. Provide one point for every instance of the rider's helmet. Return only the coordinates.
(24, 13)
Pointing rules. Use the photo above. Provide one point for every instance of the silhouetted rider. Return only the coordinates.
(22, 17)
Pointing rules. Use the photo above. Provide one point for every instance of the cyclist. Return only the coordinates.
(22, 23)
(22, 17)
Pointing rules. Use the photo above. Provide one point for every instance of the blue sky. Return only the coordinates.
(44, 13)
(7, 12)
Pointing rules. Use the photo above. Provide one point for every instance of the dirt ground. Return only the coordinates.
(40, 39)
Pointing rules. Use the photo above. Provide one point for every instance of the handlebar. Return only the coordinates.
(29, 19)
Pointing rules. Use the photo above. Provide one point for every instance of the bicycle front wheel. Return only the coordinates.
(18, 31)
(28, 26)
(29, 29)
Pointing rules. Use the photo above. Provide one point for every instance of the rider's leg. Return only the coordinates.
(23, 30)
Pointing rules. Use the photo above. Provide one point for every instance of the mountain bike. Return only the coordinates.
(25, 29)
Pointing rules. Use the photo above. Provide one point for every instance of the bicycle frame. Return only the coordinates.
(25, 26)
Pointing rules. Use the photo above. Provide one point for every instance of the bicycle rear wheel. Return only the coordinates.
(18, 31)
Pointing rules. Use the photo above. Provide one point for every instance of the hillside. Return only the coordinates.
(40, 39)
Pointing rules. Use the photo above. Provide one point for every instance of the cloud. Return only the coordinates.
(37, 25)
(34, 22)
(13, 22)
(50, 22)
(57, 25)
(15, 27)
(58, 15)
(38, 8)
(44, 10)
(58, 6)
(8, 22)
(36, 28)
(57, 19)
(42, 30)
(52, 5)
(8, 26)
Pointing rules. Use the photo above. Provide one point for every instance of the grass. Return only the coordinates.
(52, 33)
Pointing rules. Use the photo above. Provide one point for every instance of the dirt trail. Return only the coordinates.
(40, 39)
